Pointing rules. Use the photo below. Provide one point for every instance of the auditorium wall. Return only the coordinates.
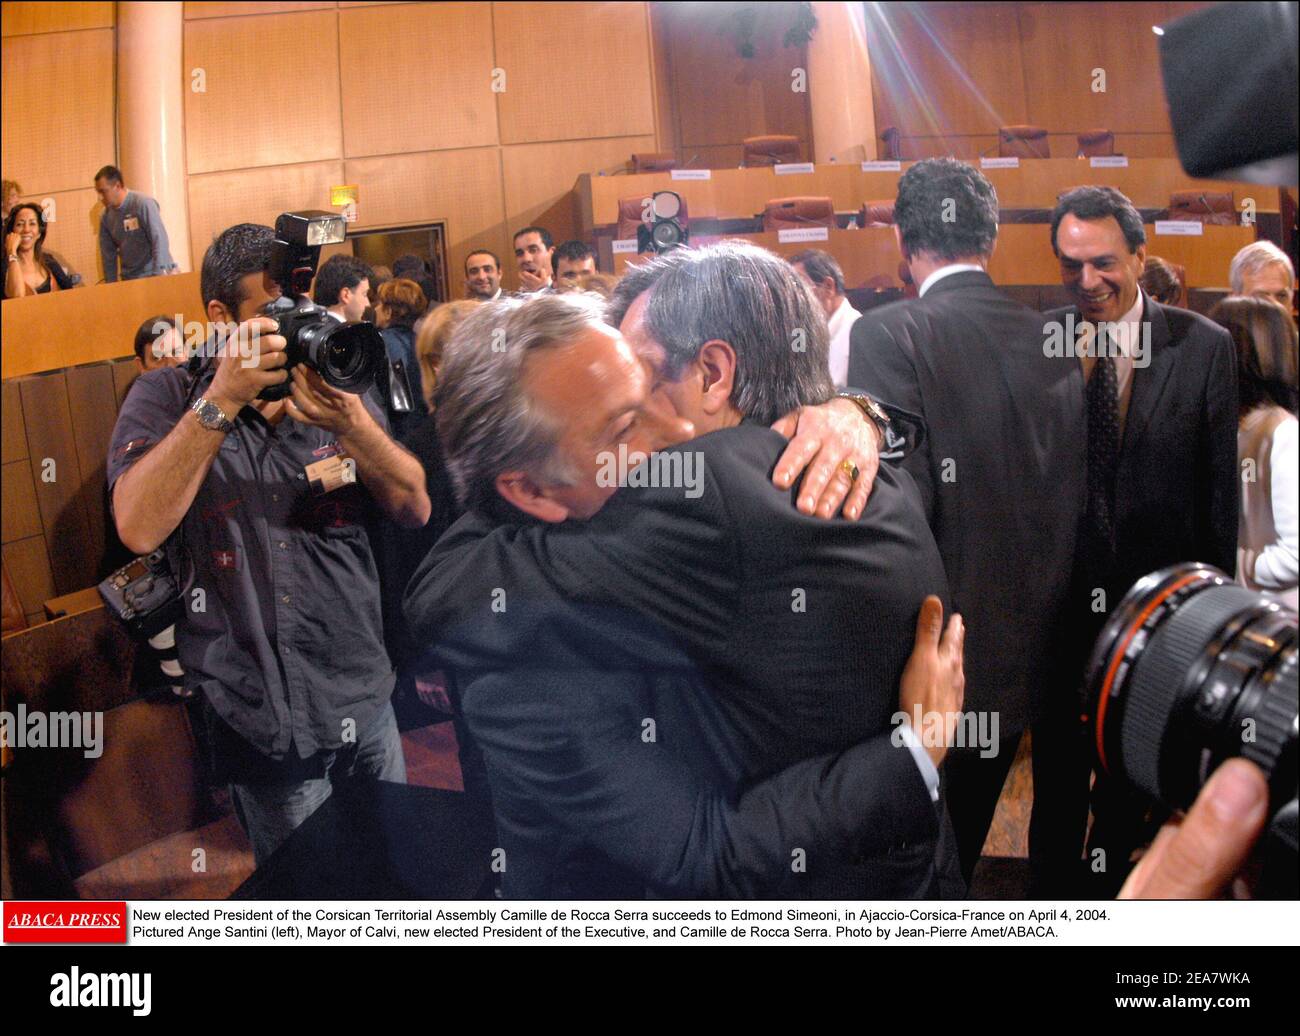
(713, 96)
(284, 100)
(400, 100)
(948, 75)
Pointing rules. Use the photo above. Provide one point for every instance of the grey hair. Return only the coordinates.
(486, 421)
(749, 298)
(1252, 259)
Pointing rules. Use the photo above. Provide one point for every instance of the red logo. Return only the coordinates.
(226, 559)
(65, 922)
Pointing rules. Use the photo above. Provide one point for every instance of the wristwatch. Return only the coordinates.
(872, 411)
(211, 416)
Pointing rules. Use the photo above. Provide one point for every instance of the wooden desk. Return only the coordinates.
(731, 193)
(1023, 255)
(83, 325)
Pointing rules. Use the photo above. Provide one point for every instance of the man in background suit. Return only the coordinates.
(1160, 391)
(790, 632)
(1000, 470)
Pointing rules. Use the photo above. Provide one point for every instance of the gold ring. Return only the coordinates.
(850, 469)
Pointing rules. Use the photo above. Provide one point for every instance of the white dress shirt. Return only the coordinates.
(945, 271)
(1131, 343)
(839, 325)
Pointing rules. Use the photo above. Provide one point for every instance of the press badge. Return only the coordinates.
(131, 223)
(325, 476)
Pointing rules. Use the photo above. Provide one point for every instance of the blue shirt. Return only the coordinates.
(135, 234)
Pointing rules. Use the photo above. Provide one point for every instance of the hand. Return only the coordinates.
(252, 358)
(821, 437)
(1196, 856)
(431, 689)
(934, 680)
(314, 402)
(12, 241)
(529, 281)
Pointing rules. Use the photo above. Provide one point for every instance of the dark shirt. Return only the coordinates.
(288, 647)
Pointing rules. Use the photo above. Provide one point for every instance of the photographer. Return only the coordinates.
(282, 629)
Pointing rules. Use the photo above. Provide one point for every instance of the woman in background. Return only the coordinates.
(28, 268)
(1268, 542)
(398, 305)
(1160, 281)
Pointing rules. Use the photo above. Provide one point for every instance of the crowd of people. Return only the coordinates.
(674, 576)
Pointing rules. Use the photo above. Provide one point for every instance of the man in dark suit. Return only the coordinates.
(1001, 472)
(786, 636)
(1160, 392)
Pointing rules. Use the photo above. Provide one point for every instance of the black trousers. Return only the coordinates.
(1062, 768)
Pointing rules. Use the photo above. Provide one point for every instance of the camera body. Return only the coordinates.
(348, 357)
(144, 595)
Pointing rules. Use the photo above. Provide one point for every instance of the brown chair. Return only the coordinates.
(876, 213)
(1023, 142)
(771, 150)
(790, 213)
(893, 140)
(630, 211)
(1213, 207)
(1096, 143)
(653, 162)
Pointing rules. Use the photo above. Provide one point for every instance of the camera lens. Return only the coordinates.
(345, 355)
(1193, 669)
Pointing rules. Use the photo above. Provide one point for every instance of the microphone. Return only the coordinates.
(1208, 207)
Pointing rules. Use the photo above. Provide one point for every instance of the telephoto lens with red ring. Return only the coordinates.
(1193, 669)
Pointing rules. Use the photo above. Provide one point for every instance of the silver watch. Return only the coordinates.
(211, 416)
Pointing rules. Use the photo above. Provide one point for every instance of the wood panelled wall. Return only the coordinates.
(711, 98)
(399, 99)
(59, 127)
(948, 75)
(56, 431)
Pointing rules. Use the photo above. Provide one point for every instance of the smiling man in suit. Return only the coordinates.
(1000, 471)
(762, 638)
(1160, 391)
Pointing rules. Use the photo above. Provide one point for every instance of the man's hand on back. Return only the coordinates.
(934, 679)
(822, 438)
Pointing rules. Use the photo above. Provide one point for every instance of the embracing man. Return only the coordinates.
(688, 685)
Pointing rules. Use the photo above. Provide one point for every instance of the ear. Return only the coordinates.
(218, 314)
(716, 365)
(518, 488)
(1141, 255)
(898, 238)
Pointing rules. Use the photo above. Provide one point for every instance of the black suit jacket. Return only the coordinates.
(1176, 491)
(1001, 470)
(765, 646)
